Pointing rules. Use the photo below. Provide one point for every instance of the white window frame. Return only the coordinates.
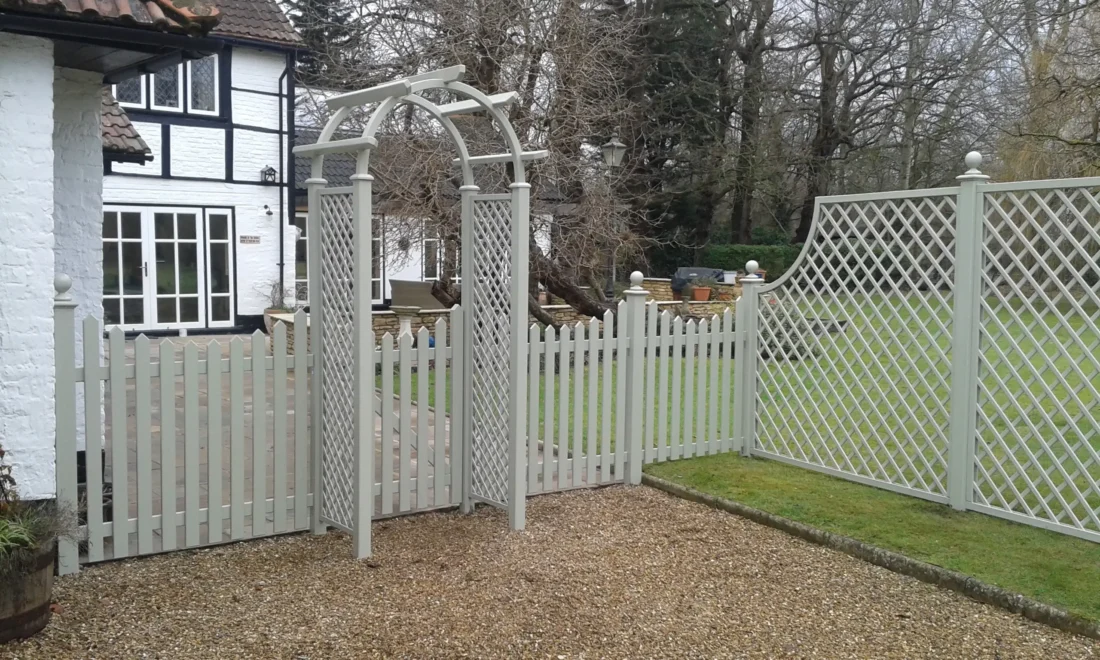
(142, 85)
(230, 242)
(217, 83)
(304, 238)
(179, 95)
(430, 244)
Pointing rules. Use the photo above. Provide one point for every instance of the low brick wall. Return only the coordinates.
(660, 289)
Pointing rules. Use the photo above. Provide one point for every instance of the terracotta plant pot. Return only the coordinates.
(700, 293)
(25, 599)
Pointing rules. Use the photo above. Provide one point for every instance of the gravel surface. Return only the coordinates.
(613, 573)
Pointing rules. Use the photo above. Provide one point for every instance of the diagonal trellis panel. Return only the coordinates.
(489, 343)
(854, 346)
(1037, 450)
(337, 383)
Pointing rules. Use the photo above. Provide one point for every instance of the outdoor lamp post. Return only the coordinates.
(613, 151)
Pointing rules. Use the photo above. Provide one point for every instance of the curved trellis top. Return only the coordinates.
(407, 91)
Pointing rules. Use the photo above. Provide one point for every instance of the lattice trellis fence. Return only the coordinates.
(337, 358)
(490, 336)
(941, 343)
(1037, 456)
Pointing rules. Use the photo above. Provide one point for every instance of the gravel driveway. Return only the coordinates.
(613, 573)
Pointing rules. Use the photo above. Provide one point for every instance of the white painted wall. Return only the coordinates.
(257, 70)
(197, 151)
(256, 263)
(253, 151)
(151, 134)
(252, 109)
(27, 262)
(78, 188)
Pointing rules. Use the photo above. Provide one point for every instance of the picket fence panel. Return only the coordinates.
(210, 443)
(201, 448)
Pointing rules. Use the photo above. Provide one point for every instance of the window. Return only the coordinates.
(131, 93)
(301, 261)
(190, 88)
(202, 86)
(166, 86)
(431, 259)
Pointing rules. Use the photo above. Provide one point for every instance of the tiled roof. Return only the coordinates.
(120, 138)
(256, 20)
(194, 17)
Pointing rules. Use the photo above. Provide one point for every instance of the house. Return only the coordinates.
(55, 56)
(198, 233)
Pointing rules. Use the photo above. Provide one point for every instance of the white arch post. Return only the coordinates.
(495, 235)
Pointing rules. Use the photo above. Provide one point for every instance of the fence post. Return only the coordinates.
(635, 377)
(363, 346)
(970, 218)
(315, 184)
(64, 338)
(745, 357)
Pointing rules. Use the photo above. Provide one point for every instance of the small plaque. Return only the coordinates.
(247, 239)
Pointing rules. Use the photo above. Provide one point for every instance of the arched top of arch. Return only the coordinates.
(408, 90)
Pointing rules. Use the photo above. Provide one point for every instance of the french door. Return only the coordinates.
(167, 268)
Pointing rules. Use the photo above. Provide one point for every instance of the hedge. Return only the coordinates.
(775, 259)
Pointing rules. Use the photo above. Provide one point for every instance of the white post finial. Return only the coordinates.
(636, 279)
(62, 283)
(750, 271)
(973, 161)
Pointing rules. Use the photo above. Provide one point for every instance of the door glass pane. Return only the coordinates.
(203, 88)
(131, 225)
(189, 310)
(166, 310)
(219, 308)
(133, 310)
(166, 268)
(110, 311)
(110, 268)
(110, 224)
(189, 268)
(166, 90)
(129, 91)
(219, 227)
(186, 223)
(219, 268)
(132, 280)
(164, 226)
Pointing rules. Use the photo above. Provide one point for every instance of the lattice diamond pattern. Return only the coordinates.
(491, 334)
(855, 349)
(337, 384)
(1038, 444)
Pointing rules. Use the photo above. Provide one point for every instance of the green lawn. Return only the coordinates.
(592, 376)
(1048, 566)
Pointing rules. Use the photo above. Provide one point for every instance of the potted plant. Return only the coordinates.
(701, 288)
(28, 542)
(276, 304)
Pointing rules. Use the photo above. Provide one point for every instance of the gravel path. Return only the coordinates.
(613, 573)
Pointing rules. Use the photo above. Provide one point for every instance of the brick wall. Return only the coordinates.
(27, 261)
